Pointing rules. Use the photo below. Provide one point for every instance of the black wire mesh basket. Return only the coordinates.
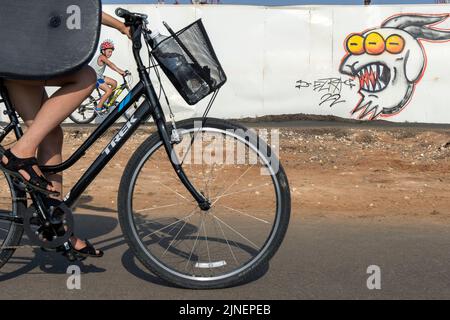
(188, 59)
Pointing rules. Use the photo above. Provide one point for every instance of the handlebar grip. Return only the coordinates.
(122, 13)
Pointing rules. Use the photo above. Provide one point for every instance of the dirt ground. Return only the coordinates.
(369, 173)
(344, 172)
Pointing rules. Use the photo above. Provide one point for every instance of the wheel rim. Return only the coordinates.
(7, 207)
(165, 236)
(85, 112)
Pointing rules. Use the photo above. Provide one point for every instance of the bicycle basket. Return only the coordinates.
(189, 61)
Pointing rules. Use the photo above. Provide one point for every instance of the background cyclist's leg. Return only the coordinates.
(107, 93)
(111, 82)
(113, 85)
(74, 89)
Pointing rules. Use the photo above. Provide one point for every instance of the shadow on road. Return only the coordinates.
(92, 227)
(83, 204)
(87, 226)
(129, 263)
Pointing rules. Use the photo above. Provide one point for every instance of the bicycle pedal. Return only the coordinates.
(101, 113)
(72, 256)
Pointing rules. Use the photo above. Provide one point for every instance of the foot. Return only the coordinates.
(81, 246)
(101, 110)
(27, 176)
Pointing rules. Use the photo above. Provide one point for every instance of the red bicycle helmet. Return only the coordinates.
(107, 44)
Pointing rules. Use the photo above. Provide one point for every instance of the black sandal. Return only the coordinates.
(36, 182)
(88, 251)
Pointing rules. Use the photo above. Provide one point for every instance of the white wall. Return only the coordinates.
(266, 50)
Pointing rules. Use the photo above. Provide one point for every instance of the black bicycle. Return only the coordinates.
(203, 203)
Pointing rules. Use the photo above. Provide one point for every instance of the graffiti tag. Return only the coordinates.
(330, 88)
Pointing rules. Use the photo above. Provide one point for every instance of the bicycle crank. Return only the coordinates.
(53, 232)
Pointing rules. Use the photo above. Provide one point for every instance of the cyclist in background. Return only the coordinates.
(106, 84)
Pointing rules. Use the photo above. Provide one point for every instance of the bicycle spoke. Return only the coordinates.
(240, 177)
(245, 214)
(160, 207)
(235, 231)
(177, 193)
(211, 179)
(163, 228)
(174, 239)
(240, 191)
(207, 246)
(195, 243)
(226, 240)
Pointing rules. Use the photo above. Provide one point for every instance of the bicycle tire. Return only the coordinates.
(88, 119)
(15, 231)
(126, 217)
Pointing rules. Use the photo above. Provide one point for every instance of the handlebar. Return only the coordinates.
(122, 13)
(130, 17)
(127, 78)
(138, 25)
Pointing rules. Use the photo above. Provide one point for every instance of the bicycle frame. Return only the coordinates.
(115, 94)
(151, 107)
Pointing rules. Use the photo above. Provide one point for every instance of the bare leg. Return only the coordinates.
(27, 97)
(74, 89)
(49, 154)
(27, 100)
(107, 93)
(111, 82)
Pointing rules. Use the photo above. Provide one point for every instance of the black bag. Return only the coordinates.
(41, 39)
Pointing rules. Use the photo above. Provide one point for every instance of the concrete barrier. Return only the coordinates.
(374, 62)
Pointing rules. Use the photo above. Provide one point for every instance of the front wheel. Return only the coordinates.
(85, 113)
(226, 245)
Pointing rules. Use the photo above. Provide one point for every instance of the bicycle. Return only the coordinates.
(194, 222)
(86, 112)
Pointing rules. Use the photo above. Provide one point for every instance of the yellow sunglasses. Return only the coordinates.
(375, 44)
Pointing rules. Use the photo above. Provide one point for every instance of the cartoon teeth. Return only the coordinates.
(373, 77)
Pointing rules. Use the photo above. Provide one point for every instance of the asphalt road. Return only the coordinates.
(321, 258)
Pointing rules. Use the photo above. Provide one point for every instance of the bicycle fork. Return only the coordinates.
(160, 121)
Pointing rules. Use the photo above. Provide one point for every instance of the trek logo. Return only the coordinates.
(120, 135)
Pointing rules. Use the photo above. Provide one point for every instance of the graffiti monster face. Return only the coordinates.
(386, 78)
(389, 61)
